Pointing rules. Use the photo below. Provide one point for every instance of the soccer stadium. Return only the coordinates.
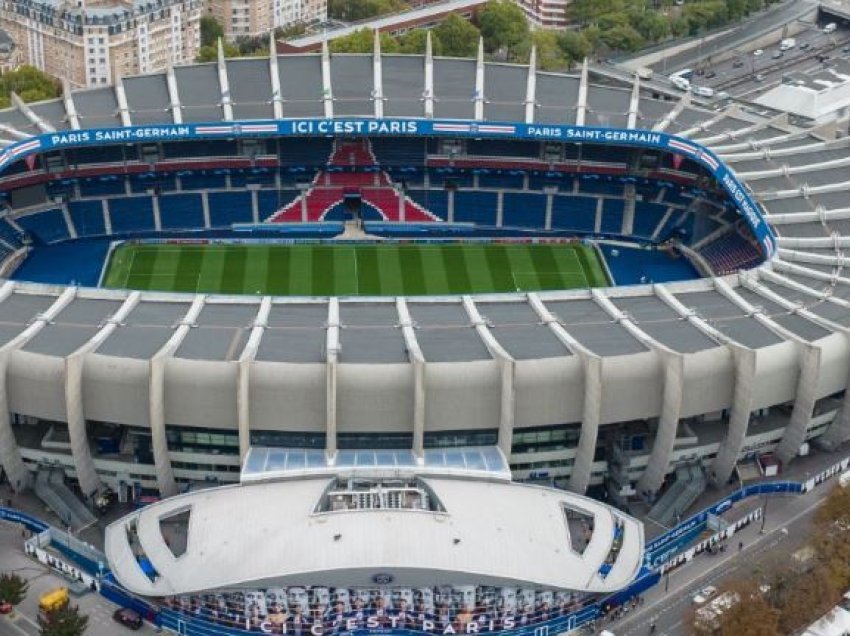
(419, 324)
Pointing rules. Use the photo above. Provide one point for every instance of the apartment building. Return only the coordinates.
(251, 18)
(93, 42)
(545, 14)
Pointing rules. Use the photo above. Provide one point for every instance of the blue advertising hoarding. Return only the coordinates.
(413, 127)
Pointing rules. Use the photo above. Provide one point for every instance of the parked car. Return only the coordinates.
(128, 618)
(737, 63)
(759, 77)
(777, 54)
(704, 595)
(710, 74)
(804, 46)
(5, 607)
(758, 52)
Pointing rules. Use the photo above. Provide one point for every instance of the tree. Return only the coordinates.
(575, 45)
(458, 37)
(413, 42)
(66, 621)
(13, 588)
(504, 27)
(211, 31)
(363, 41)
(550, 55)
(29, 83)
(356, 10)
(622, 38)
(752, 615)
(210, 53)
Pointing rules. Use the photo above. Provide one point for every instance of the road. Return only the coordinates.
(785, 529)
(750, 29)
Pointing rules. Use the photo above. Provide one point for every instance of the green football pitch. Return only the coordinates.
(351, 270)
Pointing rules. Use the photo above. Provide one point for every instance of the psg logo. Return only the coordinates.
(382, 578)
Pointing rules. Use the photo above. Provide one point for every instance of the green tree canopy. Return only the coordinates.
(458, 38)
(414, 42)
(13, 588)
(363, 41)
(504, 26)
(211, 31)
(63, 622)
(29, 83)
(355, 10)
(210, 53)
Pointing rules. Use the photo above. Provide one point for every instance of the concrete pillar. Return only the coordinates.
(332, 353)
(581, 100)
(224, 84)
(531, 87)
(327, 89)
(243, 389)
(804, 404)
(661, 455)
(377, 77)
(417, 359)
(428, 90)
(583, 464)
(121, 98)
(70, 106)
(174, 96)
(634, 103)
(479, 82)
(739, 416)
(277, 97)
(83, 461)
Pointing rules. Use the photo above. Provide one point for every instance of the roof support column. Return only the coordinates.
(243, 389)
(377, 78)
(74, 410)
(507, 373)
(327, 88)
(159, 440)
(121, 98)
(674, 112)
(428, 92)
(739, 416)
(224, 84)
(277, 99)
(332, 353)
(581, 100)
(70, 107)
(837, 433)
(590, 416)
(43, 125)
(531, 87)
(661, 454)
(804, 404)
(10, 453)
(634, 103)
(174, 95)
(417, 359)
(479, 82)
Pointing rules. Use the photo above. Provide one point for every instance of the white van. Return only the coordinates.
(787, 44)
(680, 82)
(844, 479)
(829, 28)
(702, 91)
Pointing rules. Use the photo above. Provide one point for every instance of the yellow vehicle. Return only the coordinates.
(53, 600)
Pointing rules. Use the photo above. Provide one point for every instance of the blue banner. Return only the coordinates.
(413, 127)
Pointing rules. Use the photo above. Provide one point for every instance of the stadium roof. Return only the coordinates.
(268, 535)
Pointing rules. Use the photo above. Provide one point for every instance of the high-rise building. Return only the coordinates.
(546, 14)
(93, 42)
(251, 18)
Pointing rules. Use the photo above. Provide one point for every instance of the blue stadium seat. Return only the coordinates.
(647, 217)
(434, 200)
(131, 215)
(306, 152)
(600, 186)
(102, 186)
(674, 222)
(144, 182)
(181, 211)
(243, 178)
(438, 179)
(227, 208)
(202, 181)
(87, 217)
(612, 216)
(48, 226)
(573, 213)
(270, 201)
(537, 182)
(503, 148)
(473, 206)
(399, 152)
(501, 181)
(524, 210)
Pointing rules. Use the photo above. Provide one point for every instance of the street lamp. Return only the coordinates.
(763, 515)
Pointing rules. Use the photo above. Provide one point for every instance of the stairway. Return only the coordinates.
(51, 489)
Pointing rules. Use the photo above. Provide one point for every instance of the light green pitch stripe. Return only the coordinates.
(211, 272)
(434, 270)
(389, 272)
(301, 271)
(477, 267)
(569, 266)
(256, 270)
(522, 268)
(345, 270)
